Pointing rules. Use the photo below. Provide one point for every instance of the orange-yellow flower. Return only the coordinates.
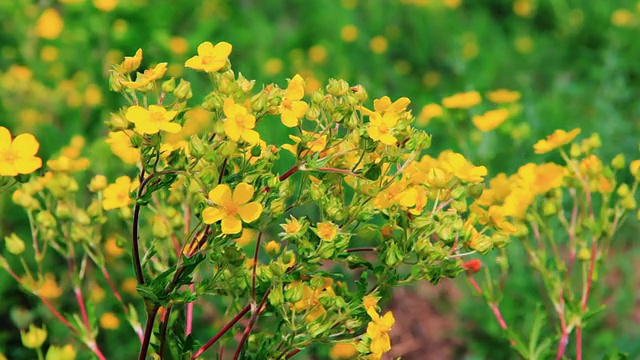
(381, 127)
(239, 123)
(429, 112)
(49, 24)
(378, 331)
(555, 140)
(153, 120)
(327, 231)
(462, 100)
(503, 96)
(292, 108)
(232, 209)
(120, 143)
(109, 321)
(457, 165)
(131, 63)
(147, 77)
(116, 195)
(18, 156)
(343, 351)
(210, 58)
(490, 120)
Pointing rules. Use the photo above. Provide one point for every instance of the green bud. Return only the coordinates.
(277, 207)
(46, 219)
(244, 84)
(318, 329)
(277, 268)
(317, 97)
(629, 203)
(549, 208)
(213, 102)
(623, 190)
(360, 92)
(34, 338)
(618, 162)
(256, 150)
(115, 81)
(183, 90)
(169, 85)
(136, 140)
(459, 192)
(63, 212)
(475, 190)
(276, 296)
(337, 87)
(81, 233)
(393, 255)
(14, 244)
(260, 102)
(197, 147)
(293, 293)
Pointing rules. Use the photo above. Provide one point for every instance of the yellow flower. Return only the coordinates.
(48, 288)
(381, 127)
(153, 120)
(248, 236)
(429, 112)
(34, 338)
(120, 144)
(370, 301)
(18, 156)
(131, 63)
(384, 105)
(457, 165)
(490, 120)
(66, 352)
(292, 108)
(327, 231)
(210, 58)
(378, 44)
(111, 248)
(272, 66)
(49, 24)
(129, 285)
(555, 140)
(239, 123)
(178, 45)
(319, 144)
(349, 33)
(343, 351)
(503, 96)
(292, 227)
(462, 100)
(272, 247)
(109, 321)
(116, 195)
(378, 331)
(147, 77)
(232, 209)
(105, 5)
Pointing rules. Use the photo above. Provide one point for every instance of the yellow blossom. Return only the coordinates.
(239, 123)
(210, 58)
(292, 108)
(272, 66)
(378, 44)
(147, 76)
(49, 24)
(116, 195)
(17, 156)
(462, 100)
(129, 285)
(66, 352)
(490, 120)
(384, 105)
(109, 321)
(378, 331)
(105, 5)
(327, 231)
(349, 33)
(232, 209)
(153, 120)
(380, 127)
(555, 140)
(370, 301)
(272, 247)
(34, 338)
(111, 248)
(178, 45)
(120, 143)
(292, 226)
(503, 96)
(48, 288)
(248, 236)
(429, 112)
(131, 63)
(343, 351)
(457, 165)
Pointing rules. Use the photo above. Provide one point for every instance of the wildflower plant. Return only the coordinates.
(361, 209)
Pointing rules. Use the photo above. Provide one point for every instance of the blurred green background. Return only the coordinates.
(575, 63)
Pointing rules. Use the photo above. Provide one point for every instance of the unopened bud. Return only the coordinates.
(337, 87)
(98, 183)
(14, 244)
(183, 90)
(169, 85)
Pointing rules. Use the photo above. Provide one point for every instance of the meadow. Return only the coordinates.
(486, 85)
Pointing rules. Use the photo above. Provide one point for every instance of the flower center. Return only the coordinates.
(8, 156)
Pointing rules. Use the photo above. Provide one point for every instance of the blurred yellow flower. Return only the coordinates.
(48, 288)
(130, 285)
(18, 156)
(49, 53)
(272, 66)
(120, 143)
(327, 231)
(153, 120)
(431, 79)
(317, 54)
(49, 24)
(92, 95)
(292, 108)
(429, 112)
(378, 44)
(272, 247)
(105, 5)
(239, 123)
(462, 100)
(109, 321)
(232, 209)
(524, 44)
(622, 18)
(66, 352)
(210, 58)
(503, 96)
(178, 45)
(522, 8)
(452, 4)
(34, 337)
(116, 195)
(490, 120)
(555, 140)
(343, 351)
(111, 248)
(349, 33)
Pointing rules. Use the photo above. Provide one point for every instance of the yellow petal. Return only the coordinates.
(231, 129)
(147, 127)
(211, 215)
(231, 225)
(251, 136)
(170, 127)
(242, 193)
(5, 138)
(28, 165)
(299, 108)
(289, 119)
(193, 63)
(223, 49)
(206, 48)
(25, 145)
(250, 212)
(220, 195)
(137, 113)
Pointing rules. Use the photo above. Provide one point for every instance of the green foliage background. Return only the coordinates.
(580, 71)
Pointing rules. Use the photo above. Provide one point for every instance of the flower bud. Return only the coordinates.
(618, 162)
(14, 244)
(549, 208)
(197, 147)
(98, 183)
(169, 85)
(259, 102)
(115, 82)
(360, 92)
(317, 97)
(245, 85)
(293, 293)
(276, 296)
(63, 212)
(629, 203)
(575, 151)
(131, 63)
(117, 122)
(45, 219)
(393, 255)
(159, 228)
(34, 338)
(277, 207)
(623, 190)
(272, 248)
(584, 254)
(337, 87)
(66, 352)
(183, 90)
(213, 102)
(634, 167)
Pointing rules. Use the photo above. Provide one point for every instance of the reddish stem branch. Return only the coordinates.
(494, 307)
(585, 297)
(255, 266)
(564, 338)
(294, 169)
(222, 331)
(252, 322)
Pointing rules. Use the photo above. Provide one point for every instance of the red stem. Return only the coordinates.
(564, 338)
(290, 355)
(585, 297)
(255, 266)
(252, 322)
(222, 331)
(189, 325)
(494, 307)
(285, 176)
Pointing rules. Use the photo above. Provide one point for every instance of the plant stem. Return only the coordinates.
(252, 321)
(255, 265)
(222, 331)
(148, 330)
(163, 331)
